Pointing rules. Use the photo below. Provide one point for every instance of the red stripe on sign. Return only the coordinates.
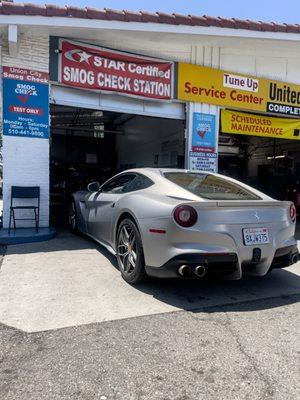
(157, 231)
(27, 75)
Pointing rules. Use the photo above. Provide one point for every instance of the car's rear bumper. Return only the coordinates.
(285, 257)
(219, 264)
(161, 250)
(215, 264)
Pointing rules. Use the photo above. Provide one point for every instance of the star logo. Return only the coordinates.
(84, 57)
(257, 216)
(78, 55)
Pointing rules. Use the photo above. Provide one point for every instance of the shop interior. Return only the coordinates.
(93, 145)
(270, 165)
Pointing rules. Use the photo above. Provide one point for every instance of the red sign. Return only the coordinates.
(26, 75)
(92, 67)
(25, 110)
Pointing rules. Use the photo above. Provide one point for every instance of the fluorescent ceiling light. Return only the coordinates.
(276, 157)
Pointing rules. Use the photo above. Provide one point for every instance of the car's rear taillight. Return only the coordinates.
(293, 212)
(185, 216)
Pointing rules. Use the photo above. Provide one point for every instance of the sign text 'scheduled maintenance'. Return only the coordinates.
(257, 125)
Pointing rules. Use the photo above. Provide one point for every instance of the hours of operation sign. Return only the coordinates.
(25, 103)
(203, 161)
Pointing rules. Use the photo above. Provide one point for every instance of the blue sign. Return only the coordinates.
(204, 135)
(25, 103)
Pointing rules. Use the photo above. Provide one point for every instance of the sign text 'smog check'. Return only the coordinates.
(25, 103)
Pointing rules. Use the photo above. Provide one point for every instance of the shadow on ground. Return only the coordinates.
(64, 241)
(256, 292)
(191, 295)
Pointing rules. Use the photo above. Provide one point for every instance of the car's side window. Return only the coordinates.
(138, 183)
(117, 185)
(126, 183)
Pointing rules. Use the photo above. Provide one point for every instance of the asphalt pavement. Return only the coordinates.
(70, 328)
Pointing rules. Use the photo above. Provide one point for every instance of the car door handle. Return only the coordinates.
(112, 205)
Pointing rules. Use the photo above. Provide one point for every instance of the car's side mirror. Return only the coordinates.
(93, 187)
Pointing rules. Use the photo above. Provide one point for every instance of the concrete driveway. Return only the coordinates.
(182, 340)
(70, 281)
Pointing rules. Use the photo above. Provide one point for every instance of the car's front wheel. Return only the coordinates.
(130, 252)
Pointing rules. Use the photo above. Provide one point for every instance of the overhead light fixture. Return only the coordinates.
(272, 157)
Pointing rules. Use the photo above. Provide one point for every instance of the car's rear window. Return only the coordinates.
(210, 186)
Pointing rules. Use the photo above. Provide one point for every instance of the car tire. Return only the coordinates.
(73, 218)
(130, 255)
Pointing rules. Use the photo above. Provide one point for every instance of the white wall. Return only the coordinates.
(26, 160)
(273, 62)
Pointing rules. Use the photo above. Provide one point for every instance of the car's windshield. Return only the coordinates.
(210, 186)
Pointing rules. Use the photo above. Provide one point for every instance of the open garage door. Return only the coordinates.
(112, 102)
(92, 145)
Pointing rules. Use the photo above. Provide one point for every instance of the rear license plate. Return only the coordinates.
(256, 236)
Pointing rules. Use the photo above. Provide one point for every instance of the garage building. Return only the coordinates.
(93, 133)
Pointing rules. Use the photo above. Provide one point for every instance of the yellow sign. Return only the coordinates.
(212, 86)
(257, 125)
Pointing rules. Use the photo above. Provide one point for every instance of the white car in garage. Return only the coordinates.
(170, 223)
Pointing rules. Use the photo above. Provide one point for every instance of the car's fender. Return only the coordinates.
(79, 198)
(141, 206)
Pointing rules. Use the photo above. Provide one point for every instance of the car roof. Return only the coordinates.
(154, 173)
(157, 175)
(161, 171)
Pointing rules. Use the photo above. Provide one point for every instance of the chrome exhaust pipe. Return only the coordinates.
(200, 271)
(184, 270)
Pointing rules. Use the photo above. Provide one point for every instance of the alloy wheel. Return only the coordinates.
(127, 249)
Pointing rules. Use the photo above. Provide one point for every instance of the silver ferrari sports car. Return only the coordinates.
(169, 223)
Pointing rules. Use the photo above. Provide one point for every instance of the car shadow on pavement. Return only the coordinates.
(280, 287)
(192, 295)
(64, 241)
